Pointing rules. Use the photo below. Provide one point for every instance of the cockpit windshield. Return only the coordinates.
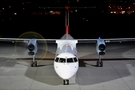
(68, 60)
(71, 59)
(62, 60)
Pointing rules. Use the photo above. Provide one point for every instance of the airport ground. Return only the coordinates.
(117, 73)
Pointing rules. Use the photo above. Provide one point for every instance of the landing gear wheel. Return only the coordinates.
(99, 64)
(65, 82)
(34, 64)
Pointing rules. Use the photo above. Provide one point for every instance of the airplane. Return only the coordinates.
(66, 61)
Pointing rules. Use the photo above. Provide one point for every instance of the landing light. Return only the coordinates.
(107, 41)
(25, 41)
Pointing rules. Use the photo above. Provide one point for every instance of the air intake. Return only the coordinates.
(31, 47)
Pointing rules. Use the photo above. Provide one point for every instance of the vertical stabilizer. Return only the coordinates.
(67, 19)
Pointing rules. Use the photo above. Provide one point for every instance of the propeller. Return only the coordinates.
(21, 47)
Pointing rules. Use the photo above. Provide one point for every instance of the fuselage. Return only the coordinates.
(66, 59)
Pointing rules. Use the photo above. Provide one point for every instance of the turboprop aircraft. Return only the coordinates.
(66, 61)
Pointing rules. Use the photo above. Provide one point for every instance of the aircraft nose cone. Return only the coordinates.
(66, 72)
(66, 75)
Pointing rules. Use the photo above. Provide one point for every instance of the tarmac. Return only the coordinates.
(117, 73)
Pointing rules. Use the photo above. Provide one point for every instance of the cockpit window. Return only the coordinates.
(57, 59)
(71, 60)
(75, 59)
(68, 60)
(62, 60)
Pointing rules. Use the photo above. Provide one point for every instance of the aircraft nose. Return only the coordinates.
(66, 71)
(66, 75)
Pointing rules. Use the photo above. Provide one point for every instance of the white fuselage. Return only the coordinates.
(66, 60)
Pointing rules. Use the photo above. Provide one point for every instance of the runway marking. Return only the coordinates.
(120, 76)
(33, 78)
(131, 69)
(7, 59)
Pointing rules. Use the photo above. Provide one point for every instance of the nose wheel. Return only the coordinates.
(66, 82)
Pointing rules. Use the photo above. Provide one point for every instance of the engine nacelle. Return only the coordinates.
(32, 47)
(100, 47)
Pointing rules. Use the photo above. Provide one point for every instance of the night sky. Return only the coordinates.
(84, 23)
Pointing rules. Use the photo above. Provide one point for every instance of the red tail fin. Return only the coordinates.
(67, 29)
(67, 19)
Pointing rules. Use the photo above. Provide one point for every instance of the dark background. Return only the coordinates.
(92, 22)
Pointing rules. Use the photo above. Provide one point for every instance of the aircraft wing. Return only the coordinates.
(79, 40)
(106, 40)
(26, 40)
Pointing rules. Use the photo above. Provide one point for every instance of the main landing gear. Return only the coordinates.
(65, 82)
(33, 62)
(99, 62)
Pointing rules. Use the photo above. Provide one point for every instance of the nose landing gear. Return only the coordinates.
(65, 82)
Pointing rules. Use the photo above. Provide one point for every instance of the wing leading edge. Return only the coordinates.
(109, 40)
